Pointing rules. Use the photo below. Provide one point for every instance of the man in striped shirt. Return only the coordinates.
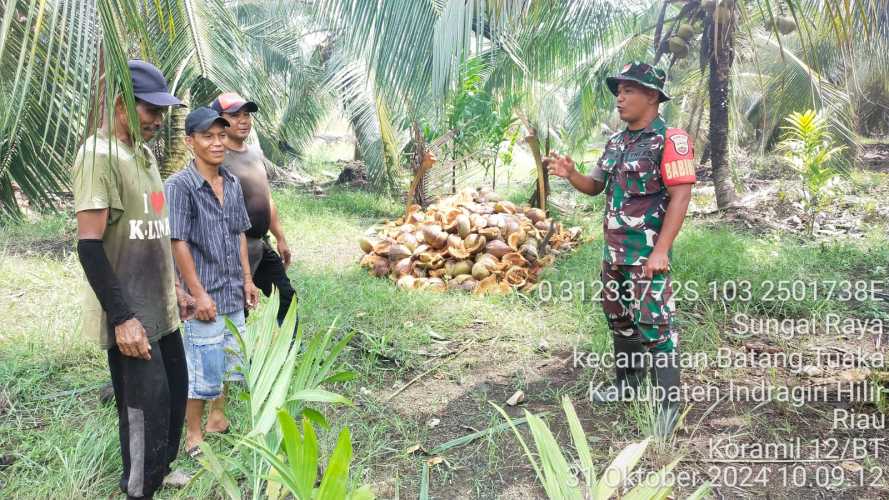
(207, 223)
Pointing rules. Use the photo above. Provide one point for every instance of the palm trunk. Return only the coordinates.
(539, 198)
(720, 79)
(175, 152)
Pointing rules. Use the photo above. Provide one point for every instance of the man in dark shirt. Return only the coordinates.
(207, 224)
(246, 162)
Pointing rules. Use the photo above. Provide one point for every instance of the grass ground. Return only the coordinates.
(58, 442)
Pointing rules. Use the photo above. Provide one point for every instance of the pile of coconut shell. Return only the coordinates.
(471, 241)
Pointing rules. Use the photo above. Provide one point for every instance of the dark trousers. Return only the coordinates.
(271, 273)
(150, 397)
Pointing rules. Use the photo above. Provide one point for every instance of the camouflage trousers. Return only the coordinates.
(638, 307)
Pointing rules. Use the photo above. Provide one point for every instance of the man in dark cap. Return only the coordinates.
(207, 223)
(133, 305)
(247, 163)
(647, 172)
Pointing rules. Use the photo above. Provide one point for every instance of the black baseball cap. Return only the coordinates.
(150, 85)
(201, 119)
(231, 102)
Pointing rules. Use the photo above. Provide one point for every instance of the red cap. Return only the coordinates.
(231, 102)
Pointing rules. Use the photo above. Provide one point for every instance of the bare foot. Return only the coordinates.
(192, 440)
(216, 423)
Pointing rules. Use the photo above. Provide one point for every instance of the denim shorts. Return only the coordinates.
(213, 355)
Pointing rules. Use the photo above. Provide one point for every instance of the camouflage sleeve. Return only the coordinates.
(598, 174)
(678, 162)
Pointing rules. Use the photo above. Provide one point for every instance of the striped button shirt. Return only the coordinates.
(212, 231)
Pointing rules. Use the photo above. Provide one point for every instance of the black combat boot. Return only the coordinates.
(629, 371)
(665, 375)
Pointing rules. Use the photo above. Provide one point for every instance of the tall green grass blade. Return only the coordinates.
(464, 440)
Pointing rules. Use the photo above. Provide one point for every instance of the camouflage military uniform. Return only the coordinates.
(637, 167)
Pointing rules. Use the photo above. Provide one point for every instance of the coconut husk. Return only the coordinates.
(471, 241)
(436, 285)
(514, 259)
(478, 221)
(437, 273)
(398, 252)
(497, 248)
(487, 285)
(406, 281)
(516, 276)
(367, 244)
(402, 267)
(516, 239)
(474, 243)
(535, 214)
(429, 231)
(490, 233)
(480, 271)
(436, 240)
(505, 207)
(408, 239)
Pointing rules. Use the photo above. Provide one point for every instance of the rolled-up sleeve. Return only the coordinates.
(179, 200)
(598, 174)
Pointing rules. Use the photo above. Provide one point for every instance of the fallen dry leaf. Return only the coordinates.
(437, 337)
(852, 467)
(728, 422)
(417, 448)
(854, 374)
(516, 398)
(811, 371)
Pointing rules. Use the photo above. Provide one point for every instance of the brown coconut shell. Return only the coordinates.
(497, 248)
(367, 244)
(490, 233)
(474, 243)
(480, 271)
(398, 252)
(402, 267)
(535, 214)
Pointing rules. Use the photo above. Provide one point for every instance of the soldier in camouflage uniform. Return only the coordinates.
(646, 172)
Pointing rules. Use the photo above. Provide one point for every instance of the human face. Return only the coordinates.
(242, 122)
(635, 102)
(151, 117)
(209, 145)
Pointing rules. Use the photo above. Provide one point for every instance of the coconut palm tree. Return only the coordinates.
(394, 65)
(67, 60)
(812, 40)
(42, 98)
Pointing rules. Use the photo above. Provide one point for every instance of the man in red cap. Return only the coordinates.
(247, 163)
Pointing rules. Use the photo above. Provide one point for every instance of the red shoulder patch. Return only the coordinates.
(678, 161)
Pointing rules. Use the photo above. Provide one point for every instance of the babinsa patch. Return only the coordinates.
(680, 142)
